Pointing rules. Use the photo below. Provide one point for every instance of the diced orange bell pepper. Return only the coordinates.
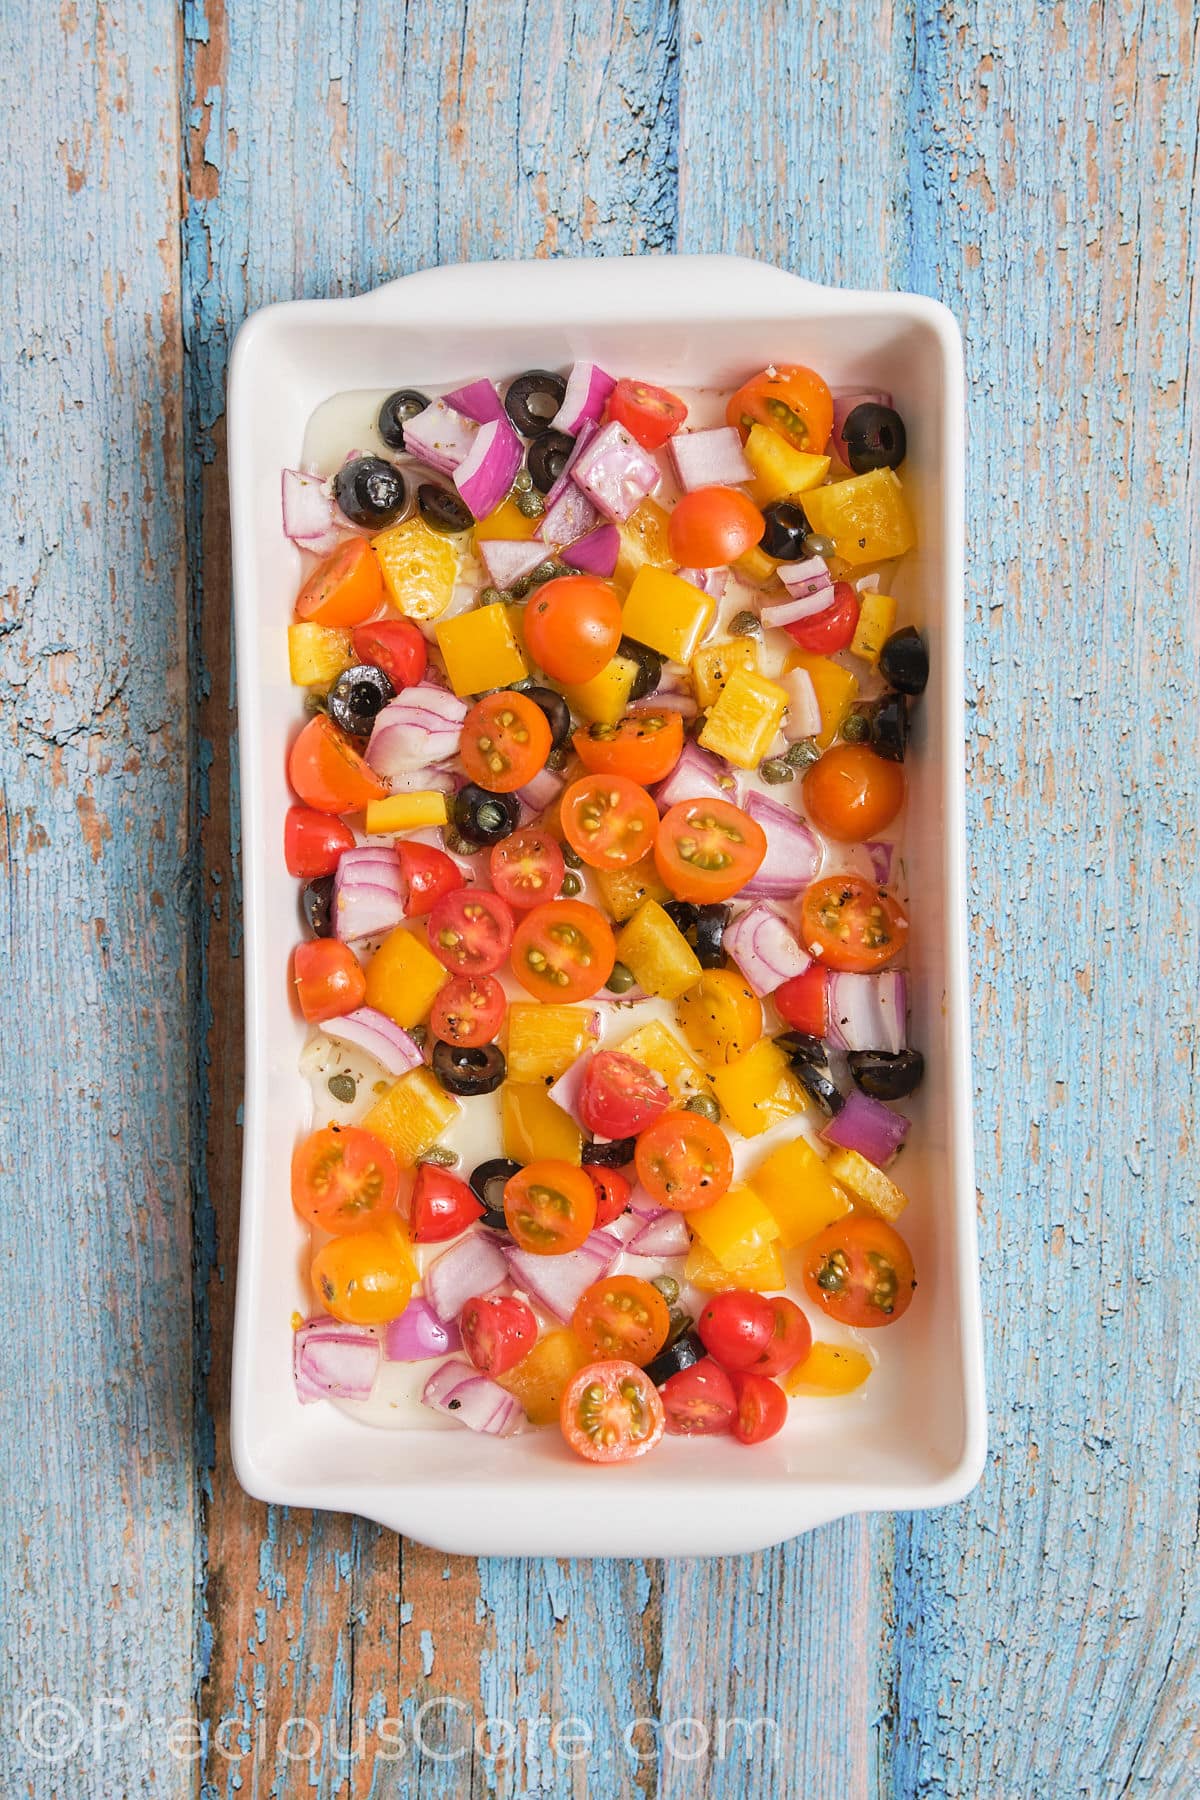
(758, 1089)
(737, 1228)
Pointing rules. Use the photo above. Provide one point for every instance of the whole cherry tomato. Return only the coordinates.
(803, 1002)
(713, 526)
(735, 1327)
(573, 626)
(851, 794)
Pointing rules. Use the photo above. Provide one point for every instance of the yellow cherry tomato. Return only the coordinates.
(366, 1278)
(720, 1017)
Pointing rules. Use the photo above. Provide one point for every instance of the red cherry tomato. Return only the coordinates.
(790, 1340)
(761, 1408)
(736, 1328)
(612, 1193)
(699, 1402)
(505, 741)
(426, 873)
(713, 526)
(396, 647)
(327, 772)
(328, 978)
(849, 923)
(550, 1207)
(527, 868)
(644, 746)
(313, 842)
(564, 951)
(497, 1331)
(611, 1412)
(827, 632)
(860, 1272)
(649, 414)
(441, 1206)
(344, 589)
(573, 626)
(468, 1011)
(788, 399)
(620, 1096)
(684, 1161)
(707, 849)
(803, 1002)
(343, 1178)
(608, 820)
(851, 794)
(470, 931)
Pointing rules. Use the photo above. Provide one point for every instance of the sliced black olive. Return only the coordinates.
(785, 531)
(443, 510)
(395, 413)
(799, 1047)
(809, 1062)
(487, 1184)
(875, 438)
(468, 1069)
(357, 696)
(682, 914)
(533, 399)
(887, 1077)
(703, 927)
(685, 1351)
(369, 491)
(482, 818)
(558, 713)
(904, 661)
(547, 458)
(889, 727)
(316, 901)
(613, 1155)
(649, 666)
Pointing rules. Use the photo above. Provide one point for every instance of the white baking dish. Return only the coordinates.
(914, 1437)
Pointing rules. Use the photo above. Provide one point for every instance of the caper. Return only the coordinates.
(315, 702)
(419, 1034)
(621, 979)
(571, 857)
(705, 1105)
(668, 1287)
(745, 624)
(444, 1159)
(817, 544)
(571, 885)
(522, 481)
(457, 846)
(558, 759)
(776, 769)
(803, 752)
(856, 728)
(342, 1087)
(492, 596)
(530, 505)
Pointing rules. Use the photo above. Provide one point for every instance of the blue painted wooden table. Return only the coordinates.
(171, 167)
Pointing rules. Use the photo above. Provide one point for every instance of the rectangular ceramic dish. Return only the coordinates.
(914, 1437)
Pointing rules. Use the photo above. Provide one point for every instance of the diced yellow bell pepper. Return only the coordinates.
(827, 1370)
(737, 1228)
(481, 650)
(836, 690)
(759, 1089)
(755, 566)
(662, 960)
(721, 1016)
(403, 977)
(507, 521)
(533, 1127)
(643, 541)
(780, 470)
(420, 567)
(876, 622)
(603, 699)
(869, 1185)
(795, 1185)
(668, 614)
(661, 1050)
(544, 1040)
(867, 516)
(407, 812)
(623, 890)
(412, 1115)
(742, 725)
(317, 654)
(541, 1378)
(764, 1274)
(713, 664)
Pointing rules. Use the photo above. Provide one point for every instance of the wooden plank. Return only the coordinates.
(96, 1420)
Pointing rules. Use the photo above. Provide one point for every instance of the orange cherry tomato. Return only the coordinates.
(860, 1272)
(329, 979)
(684, 1161)
(327, 772)
(611, 1413)
(564, 950)
(851, 794)
(790, 400)
(573, 626)
(345, 589)
(549, 1207)
(849, 923)
(707, 849)
(609, 821)
(622, 1316)
(365, 1278)
(343, 1178)
(713, 526)
(505, 741)
(644, 746)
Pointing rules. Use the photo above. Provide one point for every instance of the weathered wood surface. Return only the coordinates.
(1036, 173)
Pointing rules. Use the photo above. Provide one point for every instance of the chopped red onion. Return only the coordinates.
(309, 514)
(542, 791)
(684, 704)
(803, 577)
(881, 860)
(616, 473)
(379, 1036)
(441, 436)
(765, 949)
(642, 1206)
(711, 458)
(793, 853)
(571, 517)
(803, 718)
(422, 725)
(800, 606)
(876, 1131)
(566, 1090)
(585, 435)
(869, 1012)
(442, 1383)
(667, 1235)
(367, 895)
(709, 581)
(698, 775)
(557, 1282)
(480, 1404)
(478, 400)
(624, 1227)
(588, 387)
(334, 1361)
(596, 552)
(844, 402)
(418, 1334)
(485, 474)
(507, 559)
(474, 1265)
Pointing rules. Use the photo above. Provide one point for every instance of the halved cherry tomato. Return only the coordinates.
(470, 931)
(550, 1207)
(721, 1016)
(622, 1316)
(735, 1327)
(790, 400)
(608, 821)
(803, 1002)
(313, 842)
(365, 1278)
(468, 1011)
(851, 794)
(790, 1340)
(611, 1413)
(497, 1331)
(564, 950)
(612, 1193)
(649, 414)
(860, 1272)
(396, 647)
(328, 978)
(327, 772)
(620, 1096)
(441, 1206)
(707, 849)
(527, 868)
(849, 923)
(699, 1402)
(684, 1161)
(831, 630)
(713, 526)
(573, 626)
(505, 741)
(343, 1177)
(644, 746)
(344, 589)
(761, 1408)
(426, 873)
